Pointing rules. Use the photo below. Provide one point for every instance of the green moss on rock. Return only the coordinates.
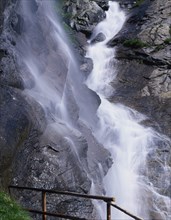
(10, 210)
(134, 43)
(167, 41)
(138, 3)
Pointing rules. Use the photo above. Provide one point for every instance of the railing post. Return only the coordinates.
(9, 190)
(108, 211)
(44, 205)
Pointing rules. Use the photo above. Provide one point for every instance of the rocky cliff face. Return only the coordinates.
(144, 48)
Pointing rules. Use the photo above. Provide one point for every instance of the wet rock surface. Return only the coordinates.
(51, 162)
(84, 15)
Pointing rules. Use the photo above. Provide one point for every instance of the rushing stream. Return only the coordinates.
(119, 128)
(62, 92)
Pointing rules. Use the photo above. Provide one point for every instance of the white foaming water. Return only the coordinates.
(102, 73)
(119, 129)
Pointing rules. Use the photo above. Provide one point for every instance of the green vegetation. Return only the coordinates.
(159, 47)
(66, 17)
(60, 9)
(10, 210)
(134, 43)
(167, 41)
(138, 3)
(68, 30)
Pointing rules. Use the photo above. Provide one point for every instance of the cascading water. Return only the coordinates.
(58, 86)
(119, 128)
(39, 48)
(51, 64)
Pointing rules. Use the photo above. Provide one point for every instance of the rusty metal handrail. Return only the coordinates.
(103, 198)
(109, 201)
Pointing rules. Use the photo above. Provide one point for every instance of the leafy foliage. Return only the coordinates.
(138, 3)
(60, 8)
(134, 43)
(159, 47)
(167, 41)
(10, 210)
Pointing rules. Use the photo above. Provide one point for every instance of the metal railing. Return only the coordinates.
(108, 200)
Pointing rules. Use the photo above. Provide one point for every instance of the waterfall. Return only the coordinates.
(119, 128)
(52, 78)
(39, 48)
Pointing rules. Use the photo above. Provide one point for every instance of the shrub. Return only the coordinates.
(159, 47)
(134, 43)
(138, 3)
(10, 210)
(167, 41)
(170, 30)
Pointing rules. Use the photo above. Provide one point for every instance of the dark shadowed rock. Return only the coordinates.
(100, 37)
(8, 73)
(16, 120)
(84, 15)
(104, 4)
